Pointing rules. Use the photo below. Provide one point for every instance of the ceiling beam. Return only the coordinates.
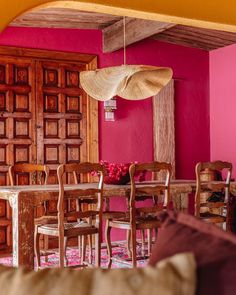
(197, 37)
(135, 30)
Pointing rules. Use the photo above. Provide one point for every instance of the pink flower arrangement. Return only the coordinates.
(116, 173)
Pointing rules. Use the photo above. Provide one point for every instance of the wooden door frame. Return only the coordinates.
(92, 121)
(90, 61)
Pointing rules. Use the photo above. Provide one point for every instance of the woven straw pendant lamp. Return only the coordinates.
(132, 82)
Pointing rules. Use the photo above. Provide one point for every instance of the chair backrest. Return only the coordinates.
(35, 173)
(219, 188)
(155, 189)
(86, 191)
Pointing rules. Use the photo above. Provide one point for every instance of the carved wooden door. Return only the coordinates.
(45, 117)
(17, 128)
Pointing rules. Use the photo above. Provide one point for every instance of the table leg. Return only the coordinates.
(231, 214)
(180, 201)
(23, 230)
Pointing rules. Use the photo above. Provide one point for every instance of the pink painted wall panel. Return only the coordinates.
(222, 104)
(130, 137)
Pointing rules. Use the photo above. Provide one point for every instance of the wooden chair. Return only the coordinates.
(82, 227)
(107, 214)
(83, 241)
(34, 171)
(212, 211)
(141, 218)
(30, 174)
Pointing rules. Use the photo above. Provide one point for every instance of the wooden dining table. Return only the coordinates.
(24, 199)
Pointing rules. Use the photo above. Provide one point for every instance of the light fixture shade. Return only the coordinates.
(133, 82)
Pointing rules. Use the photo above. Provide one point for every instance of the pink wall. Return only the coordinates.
(130, 137)
(223, 104)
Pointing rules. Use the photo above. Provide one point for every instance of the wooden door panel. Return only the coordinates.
(3, 237)
(17, 128)
(3, 177)
(72, 104)
(51, 128)
(72, 153)
(50, 103)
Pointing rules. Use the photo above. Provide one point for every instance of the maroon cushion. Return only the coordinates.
(214, 250)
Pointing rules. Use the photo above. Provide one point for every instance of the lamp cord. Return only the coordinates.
(124, 40)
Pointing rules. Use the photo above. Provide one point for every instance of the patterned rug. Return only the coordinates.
(72, 254)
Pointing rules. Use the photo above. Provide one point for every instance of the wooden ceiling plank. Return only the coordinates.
(220, 39)
(195, 37)
(78, 13)
(136, 30)
(208, 32)
(198, 38)
(64, 18)
(54, 24)
(184, 42)
(203, 34)
(190, 43)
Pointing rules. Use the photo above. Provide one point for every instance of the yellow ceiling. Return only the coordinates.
(213, 14)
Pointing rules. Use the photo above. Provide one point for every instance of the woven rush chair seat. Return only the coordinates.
(208, 215)
(142, 222)
(43, 220)
(113, 214)
(81, 227)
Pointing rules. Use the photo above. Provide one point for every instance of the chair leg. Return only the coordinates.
(46, 246)
(36, 248)
(143, 241)
(128, 240)
(156, 233)
(65, 246)
(149, 237)
(97, 250)
(108, 242)
(227, 226)
(61, 252)
(80, 245)
(90, 240)
(83, 246)
(133, 247)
